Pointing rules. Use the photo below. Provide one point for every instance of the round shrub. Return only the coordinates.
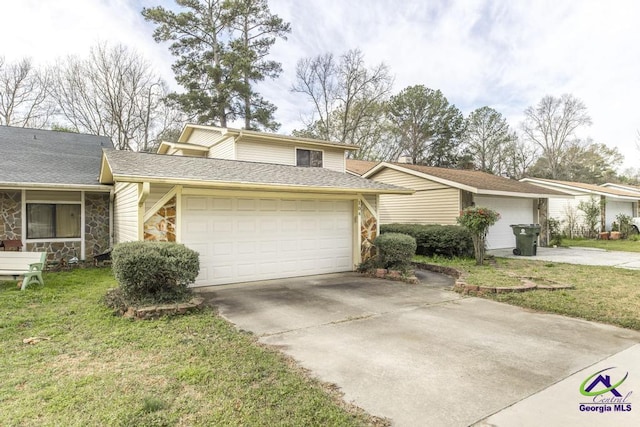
(395, 250)
(154, 272)
(432, 239)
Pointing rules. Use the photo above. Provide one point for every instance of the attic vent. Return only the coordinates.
(35, 137)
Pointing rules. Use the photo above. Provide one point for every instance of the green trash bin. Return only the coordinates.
(526, 239)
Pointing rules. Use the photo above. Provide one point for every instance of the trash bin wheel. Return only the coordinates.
(516, 251)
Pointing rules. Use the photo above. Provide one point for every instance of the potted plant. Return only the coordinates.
(615, 231)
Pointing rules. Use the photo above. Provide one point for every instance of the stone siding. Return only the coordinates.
(56, 250)
(10, 215)
(96, 229)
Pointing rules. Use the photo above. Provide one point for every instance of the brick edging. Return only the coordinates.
(461, 286)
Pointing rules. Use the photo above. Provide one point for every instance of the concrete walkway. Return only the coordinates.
(582, 256)
(423, 355)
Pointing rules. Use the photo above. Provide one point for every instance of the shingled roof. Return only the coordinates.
(360, 167)
(46, 157)
(475, 181)
(125, 165)
(588, 188)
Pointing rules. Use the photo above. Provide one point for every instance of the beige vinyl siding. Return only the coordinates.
(53, 196)
(440, 206)
(432, 203)
(203, 137)
(285, 154)
(156, 193)
(225, 149)
(403, 179)
(125, 212)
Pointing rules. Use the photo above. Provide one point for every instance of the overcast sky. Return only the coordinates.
(505, 54)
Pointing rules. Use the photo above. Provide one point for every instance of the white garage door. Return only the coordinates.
(241, 240)
(512, 210)
(613, 208)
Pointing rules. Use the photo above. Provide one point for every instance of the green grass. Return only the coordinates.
(629, 245)
(100, 369)
(603, 294)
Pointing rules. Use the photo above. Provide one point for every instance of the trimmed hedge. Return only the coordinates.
(154, 272)
(446, 240)
(395, 250)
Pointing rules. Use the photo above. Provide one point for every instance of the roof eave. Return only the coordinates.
(419, 174)
(58, 186)
(259, 186)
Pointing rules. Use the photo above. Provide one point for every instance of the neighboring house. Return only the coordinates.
(50, 197)
(255, 206)
(441, 193)
(614, 201)
(624, 187)
(359, 167)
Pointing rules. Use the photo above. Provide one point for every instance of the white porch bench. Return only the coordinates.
(26, 264)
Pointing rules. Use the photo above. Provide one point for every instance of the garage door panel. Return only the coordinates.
(257, 239)
(512, 210)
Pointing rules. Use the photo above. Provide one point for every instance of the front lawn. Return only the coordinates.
(89, 367)
(603, 294)
(628, 245)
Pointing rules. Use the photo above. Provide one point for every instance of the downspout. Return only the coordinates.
(112, 197)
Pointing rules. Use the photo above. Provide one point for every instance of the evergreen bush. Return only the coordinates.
(154, 272)
(395, 250)
(432, 239)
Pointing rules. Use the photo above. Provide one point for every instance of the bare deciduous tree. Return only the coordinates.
(113, 93)
(347, 98)
(552, 124)
(23, 95)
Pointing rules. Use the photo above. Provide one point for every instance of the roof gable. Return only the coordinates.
(584, 188)
(470, 180)
(50, 158)
(359, 167)
(255, 136)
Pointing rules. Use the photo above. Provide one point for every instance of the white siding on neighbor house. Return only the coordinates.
(432, 203)
(512, 210)
(203, 137)
(224, 149)
(285, 154)
(53, 196)
(125, 212)
(613, 208)
(559, 208)
(157, 192)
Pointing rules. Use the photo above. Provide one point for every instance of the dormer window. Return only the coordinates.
(308, 158)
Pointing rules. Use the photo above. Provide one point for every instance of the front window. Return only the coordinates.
(309, 158)
(53, 221)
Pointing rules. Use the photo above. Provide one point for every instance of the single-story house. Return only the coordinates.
(614, 201)
(440, 195)
(624, 187)
(50, 196)
(255, 206)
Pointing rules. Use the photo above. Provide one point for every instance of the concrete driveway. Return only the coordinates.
(423, 355)
(582, 256)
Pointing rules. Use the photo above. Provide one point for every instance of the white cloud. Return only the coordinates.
(500, 53)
